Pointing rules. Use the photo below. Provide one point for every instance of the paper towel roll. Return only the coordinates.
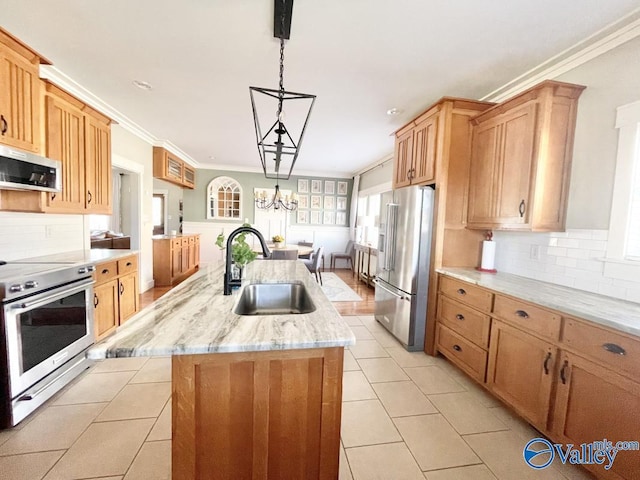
(488, 255)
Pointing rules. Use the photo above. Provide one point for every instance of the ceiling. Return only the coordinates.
(360, 57)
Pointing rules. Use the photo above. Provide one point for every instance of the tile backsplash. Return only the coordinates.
(24, 235)
(573, 258)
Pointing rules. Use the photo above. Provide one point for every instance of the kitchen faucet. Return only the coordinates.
(229, 283)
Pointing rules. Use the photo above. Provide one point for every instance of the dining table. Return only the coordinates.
(302, 250)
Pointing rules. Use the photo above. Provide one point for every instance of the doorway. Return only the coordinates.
(159, 213)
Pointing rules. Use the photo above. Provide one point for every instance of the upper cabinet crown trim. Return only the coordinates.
(22, 48)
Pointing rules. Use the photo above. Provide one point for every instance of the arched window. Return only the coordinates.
(224, 198)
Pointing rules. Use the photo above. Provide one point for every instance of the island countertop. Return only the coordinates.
(195, 317)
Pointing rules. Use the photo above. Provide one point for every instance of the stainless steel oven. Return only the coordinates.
(47, 325)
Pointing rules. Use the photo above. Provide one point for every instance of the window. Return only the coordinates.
(368, 216)
(224, 199)
(624, 229)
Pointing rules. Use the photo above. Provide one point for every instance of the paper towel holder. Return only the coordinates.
(488, 254)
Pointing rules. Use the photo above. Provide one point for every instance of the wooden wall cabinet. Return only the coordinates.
(574, 381)
(116, 294)
(168, 167)
(521, 160)
(19, 94)
(175, 258)
(80, 138)
(415, 151)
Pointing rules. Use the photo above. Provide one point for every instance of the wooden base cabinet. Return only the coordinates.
(175, 258)
(116, 294)
(257, 415)
(594, 403)
(521, 370)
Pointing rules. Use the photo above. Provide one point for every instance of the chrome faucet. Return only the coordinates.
(229, 282)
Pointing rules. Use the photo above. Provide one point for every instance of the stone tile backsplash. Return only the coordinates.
(573, 258)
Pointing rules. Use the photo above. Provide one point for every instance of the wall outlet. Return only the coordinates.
(534, 254)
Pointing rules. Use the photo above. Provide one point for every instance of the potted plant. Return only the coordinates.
(278, 241)
(241, 251)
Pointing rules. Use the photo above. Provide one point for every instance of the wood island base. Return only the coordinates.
(257, 415)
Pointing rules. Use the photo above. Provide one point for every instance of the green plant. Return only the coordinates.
(277, 238)
(241, 251)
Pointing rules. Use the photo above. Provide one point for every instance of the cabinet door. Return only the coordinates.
(521, 371)
(19, 101)
(402, 160)
(65, 142)
(185, 259)
(196, 250)
(98, 165)
(105, 301)
(484, 168)
(424, 151)
(189, 179)
(192, 255)
(176, 260)
(174, 168)
(515, 166)
(128, 301)
(594, 403)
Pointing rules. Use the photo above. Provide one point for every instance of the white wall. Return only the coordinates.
(24, 235)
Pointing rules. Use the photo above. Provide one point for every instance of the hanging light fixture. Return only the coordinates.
(280, 145)
(277, 201)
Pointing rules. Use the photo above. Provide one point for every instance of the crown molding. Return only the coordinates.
(300, 173)
(604, 40)
(376, 164)
(74, 88)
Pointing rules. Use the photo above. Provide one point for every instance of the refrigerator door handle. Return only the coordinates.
(390, 236)
(400, 296)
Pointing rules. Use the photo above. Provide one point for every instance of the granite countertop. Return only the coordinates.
(94, 255)
(177, 235)
(195, 317)
(607, 311)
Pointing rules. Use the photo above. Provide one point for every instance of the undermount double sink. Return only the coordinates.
(274, 299)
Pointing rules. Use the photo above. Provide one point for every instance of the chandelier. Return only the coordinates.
(280, 145)
(277, 202)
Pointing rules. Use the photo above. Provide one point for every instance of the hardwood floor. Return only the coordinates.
(365, 307)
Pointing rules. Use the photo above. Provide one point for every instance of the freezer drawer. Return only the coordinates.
(393, 311)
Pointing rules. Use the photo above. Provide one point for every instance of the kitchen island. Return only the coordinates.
(253, 396)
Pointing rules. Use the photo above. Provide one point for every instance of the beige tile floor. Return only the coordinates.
(405, 416)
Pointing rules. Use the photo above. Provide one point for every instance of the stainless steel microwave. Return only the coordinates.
(26, 171)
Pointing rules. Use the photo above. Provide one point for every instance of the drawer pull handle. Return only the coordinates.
(563, 372)
(460, 316)
(521, 208)
(105, 271)
(457, 348)
(462, 291)
(121, 288)
(613, 348)
(546, 363)
(5, 125)
(96, 301)
(522, 314)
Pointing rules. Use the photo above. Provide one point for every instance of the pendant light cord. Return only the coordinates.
(281, 94)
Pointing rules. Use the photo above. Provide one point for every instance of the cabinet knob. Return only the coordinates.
(457, 348)
(522, 314)
(459, 316)
(521, 208)
(105, 271)
(546, 363)
(613, 348)
(5, 125)
(128, 264)
(462, 291)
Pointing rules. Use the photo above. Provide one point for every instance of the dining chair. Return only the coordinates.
(305, 244)
(313, 264)
(284, 254)
(347, 255)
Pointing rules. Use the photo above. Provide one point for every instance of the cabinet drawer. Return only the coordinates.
(463, 353)
(466, 293)
(613, 349)
(128, 265)
(192, 240)
(176, 243)
(185, 242)
(528, 317)
(106, 271)
(466, 321)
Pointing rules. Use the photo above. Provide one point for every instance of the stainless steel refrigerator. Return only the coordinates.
(404, 251)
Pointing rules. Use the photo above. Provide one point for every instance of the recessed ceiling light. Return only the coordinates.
(211, 157)
(142, 85)
(393, 111)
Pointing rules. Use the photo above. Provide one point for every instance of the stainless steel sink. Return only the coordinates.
(274, 299)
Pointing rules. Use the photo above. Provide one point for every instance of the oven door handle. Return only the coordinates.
(59, 293)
